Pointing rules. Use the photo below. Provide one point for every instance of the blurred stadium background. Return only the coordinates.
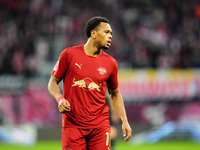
(157, 46)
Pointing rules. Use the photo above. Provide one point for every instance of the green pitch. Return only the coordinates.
(120, 145)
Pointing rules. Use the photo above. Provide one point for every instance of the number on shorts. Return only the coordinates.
(107, 138)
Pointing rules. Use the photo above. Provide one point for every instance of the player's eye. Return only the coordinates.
(109, 32)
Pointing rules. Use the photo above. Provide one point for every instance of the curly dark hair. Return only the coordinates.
(93, 23)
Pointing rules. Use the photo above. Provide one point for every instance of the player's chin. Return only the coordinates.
(105, 47)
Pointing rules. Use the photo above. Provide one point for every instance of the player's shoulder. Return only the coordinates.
(109, 57)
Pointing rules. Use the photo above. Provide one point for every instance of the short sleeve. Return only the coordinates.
(112, 81)
(61, 65)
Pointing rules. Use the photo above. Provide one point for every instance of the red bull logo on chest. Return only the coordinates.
(86, 84)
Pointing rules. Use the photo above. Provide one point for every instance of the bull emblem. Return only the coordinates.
(79, 83)
(93, 86)
(87, 84)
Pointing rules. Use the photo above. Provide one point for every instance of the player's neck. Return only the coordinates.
(91, 50)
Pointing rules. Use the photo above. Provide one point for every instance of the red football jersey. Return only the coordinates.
(85, 81)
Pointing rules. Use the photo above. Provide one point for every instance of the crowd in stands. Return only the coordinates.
(146, 33)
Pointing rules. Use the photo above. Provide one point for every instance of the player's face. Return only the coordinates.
(103, 35)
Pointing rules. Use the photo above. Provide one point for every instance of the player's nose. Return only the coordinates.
(110, 36)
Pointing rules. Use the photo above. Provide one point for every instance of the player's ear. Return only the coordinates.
(93, 34)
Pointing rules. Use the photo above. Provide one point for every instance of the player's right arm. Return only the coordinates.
(54, 90)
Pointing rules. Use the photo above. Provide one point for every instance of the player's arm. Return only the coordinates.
(118, 104)
(54, 90)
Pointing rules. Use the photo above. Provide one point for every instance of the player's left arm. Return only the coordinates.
(118, 104)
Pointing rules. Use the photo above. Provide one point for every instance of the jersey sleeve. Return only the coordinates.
(61, 66)
(112, 82)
